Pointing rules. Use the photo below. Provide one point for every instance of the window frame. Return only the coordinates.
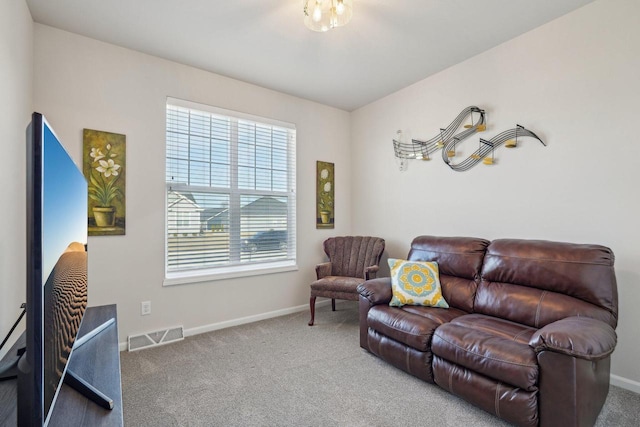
(237, 268)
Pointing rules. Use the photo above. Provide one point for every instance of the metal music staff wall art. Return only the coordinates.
(447, 141)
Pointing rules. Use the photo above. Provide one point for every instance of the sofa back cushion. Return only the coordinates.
(459, 261)
(537, 282)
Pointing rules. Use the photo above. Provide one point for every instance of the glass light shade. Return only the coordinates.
(323, 15)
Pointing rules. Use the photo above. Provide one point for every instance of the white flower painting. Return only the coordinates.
(325, 195)
(104, 167)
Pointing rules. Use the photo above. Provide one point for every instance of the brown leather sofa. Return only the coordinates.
(528, 335)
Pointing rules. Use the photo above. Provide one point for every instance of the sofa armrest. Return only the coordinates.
(581, 337)
(371, 271)
(376, 291)
(372, 292)
(323, 270)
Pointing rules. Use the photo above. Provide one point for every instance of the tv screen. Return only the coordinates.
(56, 270)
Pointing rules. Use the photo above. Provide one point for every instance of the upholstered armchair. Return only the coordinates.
(352, 260)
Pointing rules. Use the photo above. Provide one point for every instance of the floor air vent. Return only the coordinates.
(153, 339)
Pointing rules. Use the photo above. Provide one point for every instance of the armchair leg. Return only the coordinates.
(333, 304)
(312, 307)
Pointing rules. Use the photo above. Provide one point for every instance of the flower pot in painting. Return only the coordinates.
(325, 216)
(105, 217)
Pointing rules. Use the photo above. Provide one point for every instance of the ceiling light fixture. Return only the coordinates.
(323, 15)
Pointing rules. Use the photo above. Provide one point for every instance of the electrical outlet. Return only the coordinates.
(145, 308)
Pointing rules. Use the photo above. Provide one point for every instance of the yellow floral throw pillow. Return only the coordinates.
(415, 283)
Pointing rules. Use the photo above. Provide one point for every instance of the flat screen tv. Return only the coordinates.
(56, 270)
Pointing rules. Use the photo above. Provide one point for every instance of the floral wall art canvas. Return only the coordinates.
(104, 166)
(325, 206)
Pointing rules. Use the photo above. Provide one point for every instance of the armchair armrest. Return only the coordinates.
(323, 270)
(371, 271)
(581, 337)
(376, 291)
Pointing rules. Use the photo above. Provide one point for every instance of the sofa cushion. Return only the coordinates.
(456, 256)
(500, 327)
(410, 325)
(534, 307)
(488, 353)
(415, 283)
(437, 314)
(459, 262)
(537, 282)
(415, 362)
(518, 406)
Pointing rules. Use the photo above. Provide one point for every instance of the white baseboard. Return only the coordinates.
(249, 319)
(625, 383)
(241, 321)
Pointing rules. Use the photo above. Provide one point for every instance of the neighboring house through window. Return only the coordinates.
(231, 197)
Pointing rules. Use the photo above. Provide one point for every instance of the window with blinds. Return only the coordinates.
(231, 199)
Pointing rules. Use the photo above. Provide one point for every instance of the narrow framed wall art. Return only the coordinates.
(104, 166)
(325, 201)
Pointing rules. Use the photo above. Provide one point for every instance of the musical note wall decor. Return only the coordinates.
(447, 140)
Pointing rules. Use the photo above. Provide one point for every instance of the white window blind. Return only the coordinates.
(231, 198)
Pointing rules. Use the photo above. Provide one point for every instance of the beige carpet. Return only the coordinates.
(281, 372)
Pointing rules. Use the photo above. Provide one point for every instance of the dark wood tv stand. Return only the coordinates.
(97, 362)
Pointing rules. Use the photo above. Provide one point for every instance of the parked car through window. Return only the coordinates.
(271, 240)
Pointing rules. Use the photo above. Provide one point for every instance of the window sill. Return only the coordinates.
(185, 278)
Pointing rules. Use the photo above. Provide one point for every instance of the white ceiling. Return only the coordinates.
(388, 45)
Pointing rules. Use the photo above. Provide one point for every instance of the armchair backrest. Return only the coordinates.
(350, 255)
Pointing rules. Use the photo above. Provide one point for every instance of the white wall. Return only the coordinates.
(16, 77)
(82, 83)
(575, 82)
